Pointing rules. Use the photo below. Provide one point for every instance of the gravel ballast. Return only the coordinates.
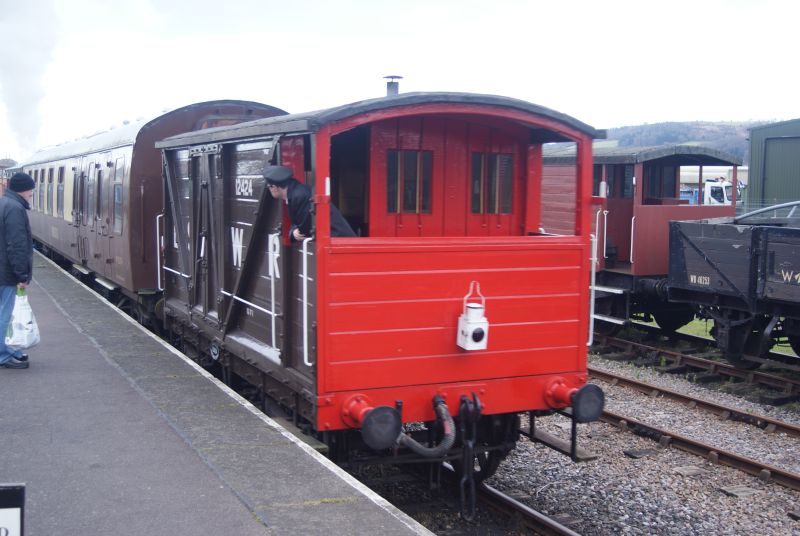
(666, 491)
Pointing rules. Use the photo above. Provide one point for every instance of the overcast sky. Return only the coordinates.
(70, 68)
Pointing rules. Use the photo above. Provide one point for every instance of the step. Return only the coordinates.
(610, 319)
(610, 290)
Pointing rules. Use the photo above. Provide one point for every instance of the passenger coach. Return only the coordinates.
(96, 199)
(450, 302)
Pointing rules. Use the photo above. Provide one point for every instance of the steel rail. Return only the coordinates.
(531, 519)
(726, 412)
(777, 359)
(786, 385)
(765, 472)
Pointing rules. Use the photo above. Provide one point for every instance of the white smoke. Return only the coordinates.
(28, 33)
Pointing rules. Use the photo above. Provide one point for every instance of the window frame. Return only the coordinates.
(491, 183)
(409, 181)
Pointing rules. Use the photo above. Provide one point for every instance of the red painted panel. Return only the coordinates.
(533, 205)
(366, 256)
(445, 369)
(390, 347)
(456, 168)
(425, 284)
(418, 314)
(397, 312)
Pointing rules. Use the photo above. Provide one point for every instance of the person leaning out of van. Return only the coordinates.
(297, 196)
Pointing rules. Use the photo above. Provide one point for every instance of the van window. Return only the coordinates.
(50, 191)
(408, 181)
(60, 193)
(491, 183)
(119, 173)
(42, 191)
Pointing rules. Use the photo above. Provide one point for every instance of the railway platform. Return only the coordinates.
(114, 432)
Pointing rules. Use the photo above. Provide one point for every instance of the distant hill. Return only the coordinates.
(729, 137)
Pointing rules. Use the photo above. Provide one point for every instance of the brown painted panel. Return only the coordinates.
(558, 199)
(252, 278)
(651, 233)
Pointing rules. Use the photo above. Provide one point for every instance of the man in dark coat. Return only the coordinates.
(297, 196)
(16, 257)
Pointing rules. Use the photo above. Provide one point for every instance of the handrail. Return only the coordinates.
(159, 244)
(605, 233)
(633, 226)
(592, 290)
(248, 303)
(597, 221)
(176, 272)
(305, 301)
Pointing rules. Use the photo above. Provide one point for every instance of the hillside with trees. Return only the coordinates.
(731, 137)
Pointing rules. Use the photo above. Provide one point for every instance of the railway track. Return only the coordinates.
(432, 498)
(527, 517)
(665, 438)
(788, 389)
(726, 412)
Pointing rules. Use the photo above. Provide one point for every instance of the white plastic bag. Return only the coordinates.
(22, 331)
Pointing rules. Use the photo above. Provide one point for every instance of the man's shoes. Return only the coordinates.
(15, 364)
(22, 357)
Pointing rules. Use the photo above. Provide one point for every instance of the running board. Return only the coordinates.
(611, 319)
(609, 290)
(105, 283)
(82, 269)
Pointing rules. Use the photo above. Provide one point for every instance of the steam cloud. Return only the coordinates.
(28, 33)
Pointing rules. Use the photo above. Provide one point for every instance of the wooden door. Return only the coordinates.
(494, 183)
(406, 166)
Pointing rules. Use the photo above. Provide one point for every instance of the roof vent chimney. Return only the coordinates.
(392, 86)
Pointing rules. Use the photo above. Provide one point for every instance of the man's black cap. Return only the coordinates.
(21, 182)
(278, 175)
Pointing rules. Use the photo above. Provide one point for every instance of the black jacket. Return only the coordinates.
(299, 201)
(16, 243)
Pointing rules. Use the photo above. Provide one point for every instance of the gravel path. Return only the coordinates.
(657, 493)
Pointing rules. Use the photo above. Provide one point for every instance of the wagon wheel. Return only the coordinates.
(486, 463)
(671, 321)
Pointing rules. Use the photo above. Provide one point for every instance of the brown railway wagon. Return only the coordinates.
(640, 195)
(96, 200)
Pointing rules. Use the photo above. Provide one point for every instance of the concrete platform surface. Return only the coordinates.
(115, 433)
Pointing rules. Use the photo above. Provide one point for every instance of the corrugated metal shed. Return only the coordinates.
(774, 164)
